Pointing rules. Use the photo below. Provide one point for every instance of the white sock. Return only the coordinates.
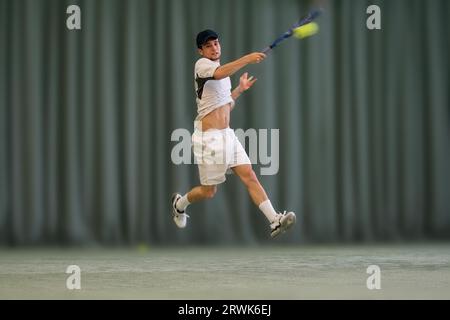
(182, 203)
(268, 210)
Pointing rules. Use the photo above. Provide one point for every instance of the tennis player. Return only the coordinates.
(216, 147)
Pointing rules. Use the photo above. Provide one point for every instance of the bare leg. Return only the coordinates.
(201, 193)
(248, 177)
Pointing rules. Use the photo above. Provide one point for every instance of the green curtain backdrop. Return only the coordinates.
(86, 119)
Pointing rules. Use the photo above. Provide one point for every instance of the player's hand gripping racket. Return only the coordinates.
(304, 21)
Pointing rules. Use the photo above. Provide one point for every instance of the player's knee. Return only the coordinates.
(209, 191)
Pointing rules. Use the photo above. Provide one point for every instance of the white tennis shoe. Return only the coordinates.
(180, 217)
(282, 223)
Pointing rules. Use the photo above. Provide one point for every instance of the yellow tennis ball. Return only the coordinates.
(306, 30)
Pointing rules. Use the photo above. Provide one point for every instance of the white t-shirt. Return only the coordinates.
(211, 94)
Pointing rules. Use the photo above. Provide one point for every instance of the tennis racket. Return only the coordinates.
(310, 17)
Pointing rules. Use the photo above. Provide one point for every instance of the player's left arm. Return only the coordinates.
(245, 83)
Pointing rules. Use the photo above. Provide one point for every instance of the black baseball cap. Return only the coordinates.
(204, 36)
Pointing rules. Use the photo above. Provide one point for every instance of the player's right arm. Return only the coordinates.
(230, 68)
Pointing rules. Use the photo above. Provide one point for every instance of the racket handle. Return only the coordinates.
(266, 50)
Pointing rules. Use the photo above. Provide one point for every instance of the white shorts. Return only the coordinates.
(215, 152)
